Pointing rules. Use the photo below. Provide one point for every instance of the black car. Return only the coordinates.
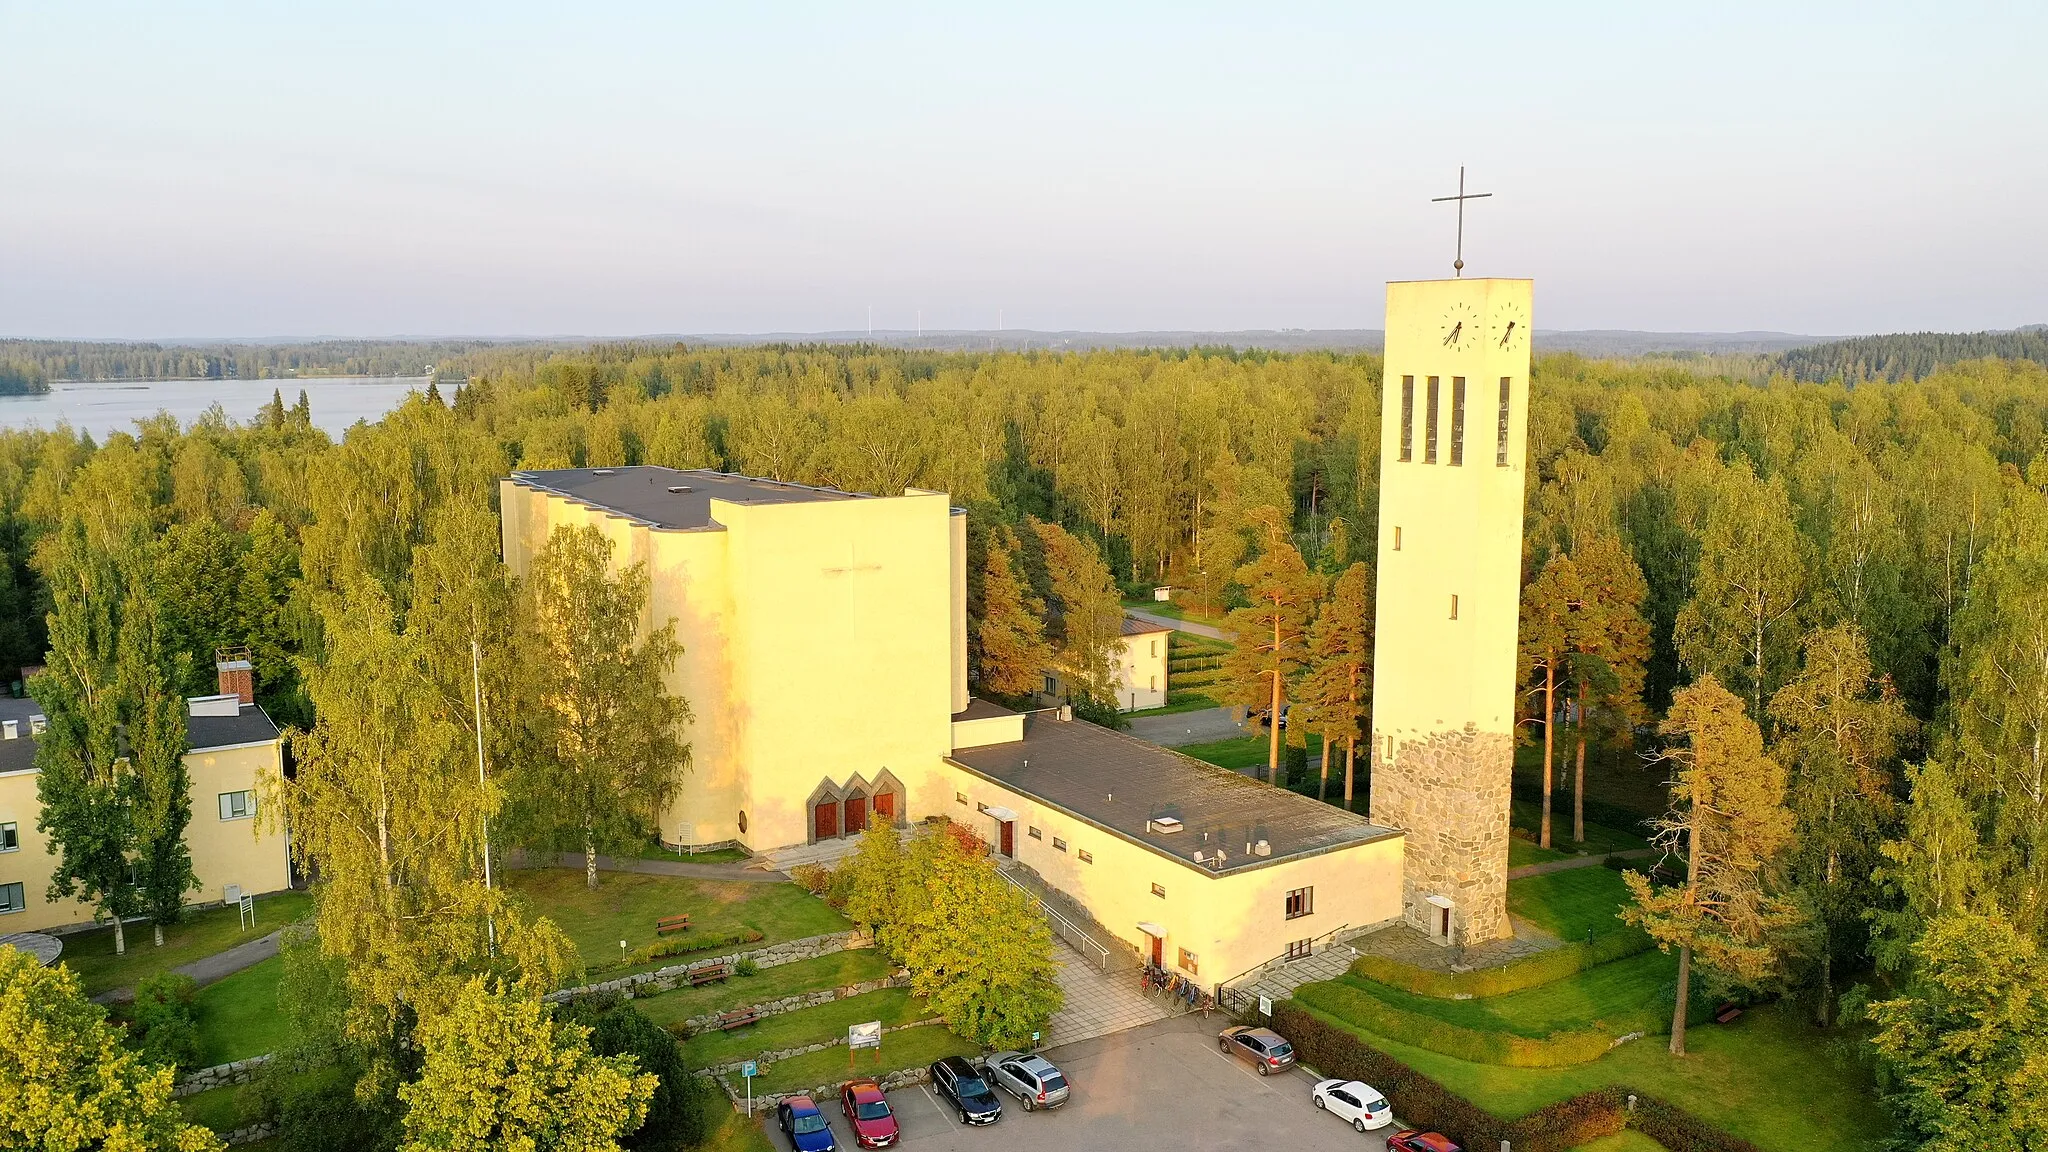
(963, 1084)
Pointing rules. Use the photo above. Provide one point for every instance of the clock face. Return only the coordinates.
(1509, 329)
(1459, 328)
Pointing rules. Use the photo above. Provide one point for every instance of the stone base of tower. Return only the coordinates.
(1449, 792)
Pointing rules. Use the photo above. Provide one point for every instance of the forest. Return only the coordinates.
(1910, 355)
(29, 365)
(1836, 582)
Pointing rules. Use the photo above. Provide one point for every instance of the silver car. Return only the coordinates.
(1031, 1079)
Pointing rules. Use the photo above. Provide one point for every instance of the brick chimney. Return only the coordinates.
(237, 675)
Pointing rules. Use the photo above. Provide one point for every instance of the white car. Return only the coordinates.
(1353, 1100)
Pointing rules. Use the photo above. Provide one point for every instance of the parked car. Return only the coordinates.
(962, 1083)
(1265, 1048)
(806, 1127)
(867, 1110)
(1031, 1079)
(1411, 1140)
(1355, 1101)
(1266, 716)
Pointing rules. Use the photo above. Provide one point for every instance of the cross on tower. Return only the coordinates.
(852, 568)
(1458, 266)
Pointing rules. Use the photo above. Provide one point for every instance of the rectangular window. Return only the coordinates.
(1155, 647)
(1052, 686)
(236, 805)
(1059, 845)
(10, 837)
(1500, 441)
(1301, 902)
(980, 807)
(1152, 683)
(960, 797)
(1300, 949)
(1407, 418)
(11, 899)
(1159, 890)
(1457, 421)
(1429, 425)
(1035, 834)
(1397, 537)
(1454, 605)
(1190, 963)
(1085, 855)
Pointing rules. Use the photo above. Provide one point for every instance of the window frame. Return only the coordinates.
(1500, 450)
(1159, 890)
(1301, 902)
(1034, 833)
(1190, 963)
(19, 892)
(248, 804)
(1058, 844)
(1301, 949)
(1407, 419)
(10, 836)
(1457, 421)
(1429, 420)
(1084, 856)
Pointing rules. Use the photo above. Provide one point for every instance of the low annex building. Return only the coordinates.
(1141, 668)
(825, 662)
(234, 749)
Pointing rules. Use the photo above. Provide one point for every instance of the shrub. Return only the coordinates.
(677, 1116)
(165, 1029)
(815, 878)
(1679, 1130)
(1356, 1006)
(682, 946)
(745, 967)
(1542, 968)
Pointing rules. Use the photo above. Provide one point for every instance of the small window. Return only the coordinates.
(1500, 440)
(11, 898)
(1152, 683)
(1155, 647)
(1059, 845)
(1159, 890)
(1429, 425)
(980, 807)
(1300, 949)
(10, 837)
(1052, 686)
(1397, 537)
(1454, 605)
(1301, 902)
(1085, 856)
(1190, 963)
(1035, 834)
(960, 797)
(1407, 418)
(1457, 421)
(236, 805)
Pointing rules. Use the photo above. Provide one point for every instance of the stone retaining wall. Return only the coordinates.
(221, 1075)
(665, 979)
(802, 1000)
(837, 1041)
(251, 1134)
(823, 1093)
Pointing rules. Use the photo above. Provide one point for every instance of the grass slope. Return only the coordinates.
(1617, 995)
(238, 1016)
(910, 1048)
(626, 905)
(1572, 905)
(834, 971)
(214, 1108)
(203, 933)
(1241, 752)
(892, 1006)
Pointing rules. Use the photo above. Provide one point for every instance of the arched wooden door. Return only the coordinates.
(825, 820)
(885, 807)
(856, 814)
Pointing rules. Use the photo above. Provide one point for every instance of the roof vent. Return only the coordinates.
(1198, 856)
(603, 471)
(678, 489)
(1262, 849)
(1166, 825)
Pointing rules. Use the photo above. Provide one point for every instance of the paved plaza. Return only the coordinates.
(1099, 1004)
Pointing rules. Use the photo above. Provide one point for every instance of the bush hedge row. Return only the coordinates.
(1357, 1006)
(1542, 968)
(1334, 1050)
(681, 946)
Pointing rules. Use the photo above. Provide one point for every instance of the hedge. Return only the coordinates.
(680, 946)
(1356, 1006)
(1542, 968)
(1334, 1050)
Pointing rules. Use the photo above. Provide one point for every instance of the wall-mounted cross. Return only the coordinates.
(853, 567)
(1458, 265)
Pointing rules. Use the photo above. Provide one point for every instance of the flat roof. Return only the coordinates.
(249, 726)
(671, 497)
(1121, 784)
(979, 709)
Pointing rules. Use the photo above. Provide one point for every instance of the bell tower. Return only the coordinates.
(1454, 412)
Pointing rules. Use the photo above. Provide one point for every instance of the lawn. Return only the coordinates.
(1178, 702)
(626, 905)
(1575, 904)
(653, 850)
(737, 1133)
(203, 933)
(1768, 1078)
(1622, 1142)
(1241, 752)
(892, 1006)
(853, 966)
(910, 1048)
(1625, 994)
(1173, 610)
(214, 1108)
(1523, 852)
(1600, 838)
(238, 1016)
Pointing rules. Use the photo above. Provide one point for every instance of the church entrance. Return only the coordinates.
(825, 820)
(856, 814)
(1009, 831)
(885, 807)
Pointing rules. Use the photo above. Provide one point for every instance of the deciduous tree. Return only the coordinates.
(1011, 628)
(976, 948)
(1087, 613)
(1613, 657)
(1741, 624)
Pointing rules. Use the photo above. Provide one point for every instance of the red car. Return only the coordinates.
(1411, 1140)
(874, 1125)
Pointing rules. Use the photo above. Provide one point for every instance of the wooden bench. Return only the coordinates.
(728, 1021)
(707, 973)
(1726, 1013)
(668, 924)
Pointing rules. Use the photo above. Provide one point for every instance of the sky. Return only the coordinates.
(265, 170)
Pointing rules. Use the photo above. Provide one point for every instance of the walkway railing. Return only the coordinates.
(1235, 996)
(1069, 931)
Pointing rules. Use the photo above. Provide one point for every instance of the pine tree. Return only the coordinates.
(1728, 817)
(1011, 628)
(1335, 697)
(1552, 616)
(1272, 630)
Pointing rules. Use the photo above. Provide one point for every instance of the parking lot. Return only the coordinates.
(1162, 1086)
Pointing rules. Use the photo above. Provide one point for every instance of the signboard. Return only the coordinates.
(1265, 1005)
(868, 1035)
(748, 1070)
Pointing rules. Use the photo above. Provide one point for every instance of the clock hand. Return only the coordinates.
(1506, 334)
(1453, 337)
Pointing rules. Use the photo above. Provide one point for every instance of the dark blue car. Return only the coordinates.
(806, 1127)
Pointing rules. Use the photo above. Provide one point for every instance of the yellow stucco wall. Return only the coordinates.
(820, 640)
(224, 852)
(1230, 922)
(1141, 671)
(1443, 673)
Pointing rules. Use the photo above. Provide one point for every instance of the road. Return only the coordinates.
(1188, 626)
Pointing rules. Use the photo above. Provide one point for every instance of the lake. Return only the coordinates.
(107, 406)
